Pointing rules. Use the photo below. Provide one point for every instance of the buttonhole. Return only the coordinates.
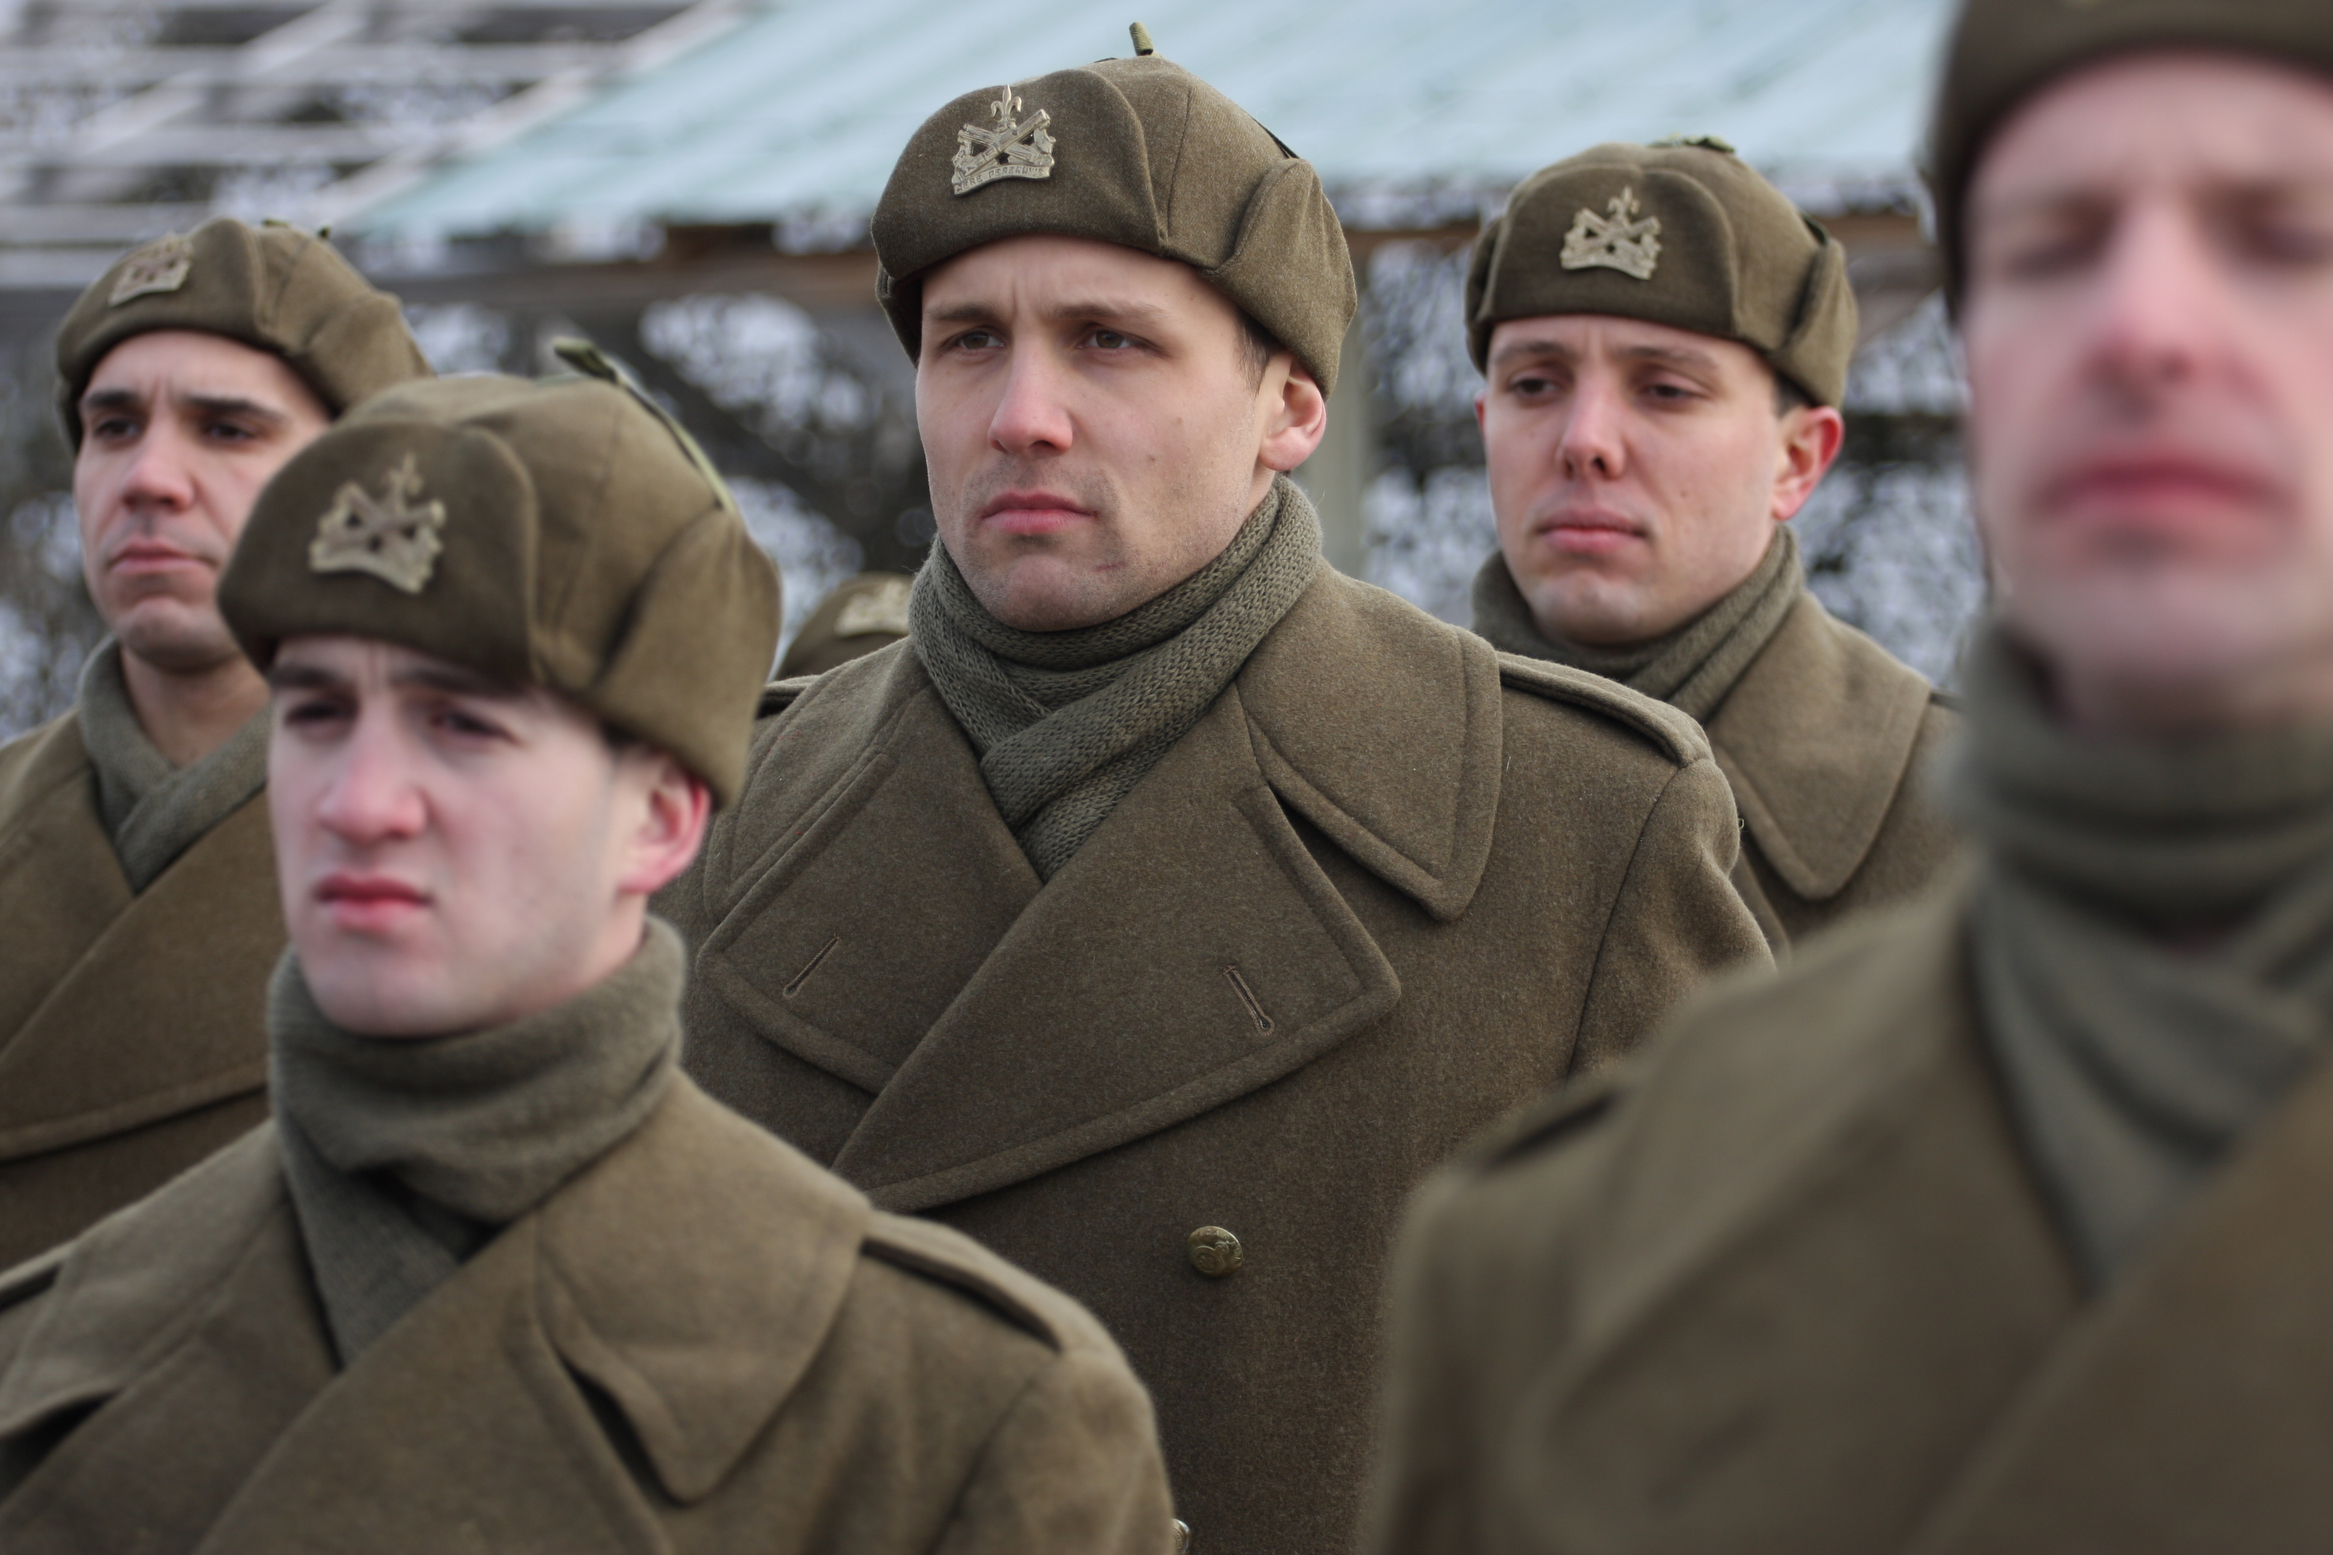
(803, 976)
(1247, 996)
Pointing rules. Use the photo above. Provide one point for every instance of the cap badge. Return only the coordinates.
(882, 608)
(1614, 242)
(387, 536)
(158, 267)
(1006, 149)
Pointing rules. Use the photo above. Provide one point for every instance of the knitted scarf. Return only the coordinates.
(1692, 667)
(406, 1156)
(152, 810)
(2151, 940)
(1066, 723)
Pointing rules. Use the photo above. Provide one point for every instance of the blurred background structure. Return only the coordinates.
(689, 184)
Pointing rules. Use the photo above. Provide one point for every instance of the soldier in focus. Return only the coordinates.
(1665, 342)
(137, 891)
(1996, 1224)
(497, 1276)
(1167, 904)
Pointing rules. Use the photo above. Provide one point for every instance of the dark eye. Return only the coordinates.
(113, 428)
(977, 340)
(1531, 385)
(313, 712)
(228, 432)
(1110, 340)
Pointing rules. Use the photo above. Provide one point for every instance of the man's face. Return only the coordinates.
(455, 853)
(2149, 327)
(1094, 426)
(180, 430)
(1637, 471)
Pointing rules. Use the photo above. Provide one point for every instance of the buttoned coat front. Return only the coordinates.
(1791, 1288)
(699, 1345)
(132, 1033)
(1390, 886)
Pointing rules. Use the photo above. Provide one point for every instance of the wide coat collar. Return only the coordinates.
(465, 1415)
(889, 931)
(172, 977)
(1816, 738)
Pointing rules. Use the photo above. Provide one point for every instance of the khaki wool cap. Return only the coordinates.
(555, 533)
(271, 287)
(1137, 152)
(2005, 50)
(1680, 233)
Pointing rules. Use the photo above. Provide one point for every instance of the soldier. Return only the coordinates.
(1167, 904)
(862, 614)
(497, 1276)
(1665, 342)
(137, 893)
(1997, 1224)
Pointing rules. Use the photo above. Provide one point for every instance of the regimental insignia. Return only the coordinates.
(158, 267)
(1012, 147)
(390, 536)
(1619, 241)
(882, 608)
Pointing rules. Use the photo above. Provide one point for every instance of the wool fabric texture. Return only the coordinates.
(404, 1155)
(2003, 51)
(1066, 723)
(2152, 940)
(152, 810)
(1691, 668)
(271, 287)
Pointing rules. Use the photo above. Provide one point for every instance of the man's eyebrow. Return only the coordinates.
(1117, 308)
(112, 399)
(455, 680)
(1523, 350)
(296, 676)
(1675, 356)
(234, 405)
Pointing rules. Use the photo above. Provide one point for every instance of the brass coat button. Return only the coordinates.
(1215, 1252)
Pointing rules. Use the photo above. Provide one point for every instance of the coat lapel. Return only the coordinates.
(2191, 1400)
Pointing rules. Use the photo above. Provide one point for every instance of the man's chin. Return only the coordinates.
(175, 637)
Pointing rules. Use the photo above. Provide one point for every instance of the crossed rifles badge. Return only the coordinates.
(1615, 242)
(1006, 149)
(387, 536)
(161, 267)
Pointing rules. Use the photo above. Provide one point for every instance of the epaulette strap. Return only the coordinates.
(1673, 732)
(779, 695)
(900, 1253)
(1551, 1120)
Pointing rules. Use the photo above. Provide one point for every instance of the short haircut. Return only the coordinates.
(1257, 347)
(1788, 396)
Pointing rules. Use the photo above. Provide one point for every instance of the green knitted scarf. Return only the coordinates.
(152, 810)
(1066, 723)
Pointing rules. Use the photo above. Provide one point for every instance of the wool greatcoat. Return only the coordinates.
(1793, 1290)
(133, 1038)
(700, 1344)
(1391, 885)
(1826, 738)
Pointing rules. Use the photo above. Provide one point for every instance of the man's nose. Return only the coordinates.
(1593, 446)
(372, 795)
(2162, 299)
(1032, 413)
(159, 475)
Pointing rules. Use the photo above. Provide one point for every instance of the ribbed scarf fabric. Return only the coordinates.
(1691, 668)
(152, 810)
(2151, 939)
(404, 1157)
(1066, 723)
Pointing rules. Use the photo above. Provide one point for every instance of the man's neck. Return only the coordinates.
(190, 714)
(2110, 707)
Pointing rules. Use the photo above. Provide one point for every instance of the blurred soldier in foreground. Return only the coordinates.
(497, 1277)
(1167, 904)
(1998, 1223)
(137, 893)
(862, 614)
(1665, 341)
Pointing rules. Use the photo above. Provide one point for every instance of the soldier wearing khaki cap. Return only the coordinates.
(1998, 1222)
(1665, 341)
(136, 893)
(497, 1276)
(1167, 904)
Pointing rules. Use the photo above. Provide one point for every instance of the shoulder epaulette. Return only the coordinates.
(31, 1278)
(1950, 701)
(1673, 732)
(903, 1243)
(779, 695)
(1555, 1119)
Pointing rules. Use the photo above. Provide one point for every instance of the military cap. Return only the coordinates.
(558, 533)
(271, 287)
(1682, 233)
(2002, 51)
(1137, 152)
(861, 615)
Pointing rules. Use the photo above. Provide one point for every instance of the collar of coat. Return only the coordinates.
(1816, 738)
(635, 1274)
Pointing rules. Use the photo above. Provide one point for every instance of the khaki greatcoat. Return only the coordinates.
(1826, 739)
(1390, 886)
(132, 1027)
(698, 1345)
(1792, 1288)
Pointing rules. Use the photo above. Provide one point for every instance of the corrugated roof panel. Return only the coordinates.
(801, 107)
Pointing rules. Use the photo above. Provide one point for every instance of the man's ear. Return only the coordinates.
(1811, 438)
(1298, 417)
(677, 809)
